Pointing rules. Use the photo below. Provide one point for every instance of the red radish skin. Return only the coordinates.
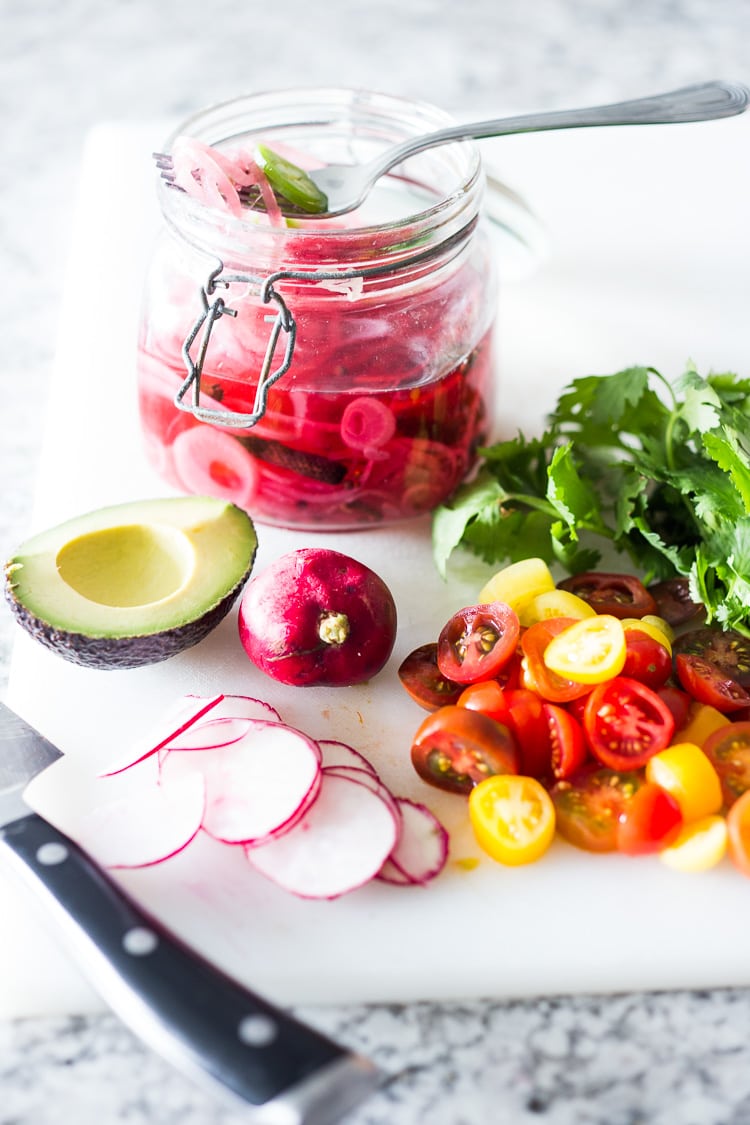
(317, 616)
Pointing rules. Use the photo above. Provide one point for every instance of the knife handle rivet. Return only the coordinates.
(52, 853)
(257, 1030)
(139, 941)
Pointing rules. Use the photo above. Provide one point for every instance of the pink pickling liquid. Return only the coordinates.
(378, 418)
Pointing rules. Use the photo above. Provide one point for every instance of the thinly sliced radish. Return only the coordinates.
(210, 734)
(241, 707)
(336, 753)
(421, 851)
(256, 786)
(179, 719)
(146, 828)
(339, 844)
(371, 781)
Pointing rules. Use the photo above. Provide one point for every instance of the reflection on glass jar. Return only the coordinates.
(385, 323)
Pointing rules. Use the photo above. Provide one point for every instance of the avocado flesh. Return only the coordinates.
(132, 584)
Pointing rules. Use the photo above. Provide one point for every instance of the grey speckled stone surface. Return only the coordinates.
(678, 1059)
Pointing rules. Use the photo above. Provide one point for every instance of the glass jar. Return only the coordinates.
(322, 374)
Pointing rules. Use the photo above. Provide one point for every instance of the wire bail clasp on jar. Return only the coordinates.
(211, 312)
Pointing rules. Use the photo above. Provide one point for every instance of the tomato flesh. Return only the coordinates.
(729, 750)
(423, 680)
(621, 595)
(707, 683)
(546, 682)
(649, 821)
(646, 660)
(626, 723)
(589, 806)
(738, 834)
(477, 642)
(455, 748)
(513, 818)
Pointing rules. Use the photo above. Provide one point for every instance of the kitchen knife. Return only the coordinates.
(280, 1070)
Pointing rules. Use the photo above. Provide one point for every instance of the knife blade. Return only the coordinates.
(282, 1071)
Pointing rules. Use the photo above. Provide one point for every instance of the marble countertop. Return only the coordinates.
(663, 1059)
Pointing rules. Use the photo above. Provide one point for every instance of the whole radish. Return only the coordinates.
(316, 616)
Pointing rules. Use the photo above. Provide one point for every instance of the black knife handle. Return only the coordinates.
(181, 1005)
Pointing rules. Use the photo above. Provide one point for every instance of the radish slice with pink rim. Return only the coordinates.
(211, 462)
(421, 851)
(145, 828)
(336, 753)
(255, 787)
(209, 734)
(371, 781)
(339, 844)
(179, 719)
(241, 707)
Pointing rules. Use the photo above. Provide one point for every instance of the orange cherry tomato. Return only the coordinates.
(738, 833)
(649, 821)
(534, 642)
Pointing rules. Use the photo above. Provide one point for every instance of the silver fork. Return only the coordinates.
(346, 186)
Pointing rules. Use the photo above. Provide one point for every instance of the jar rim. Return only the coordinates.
(319, 108)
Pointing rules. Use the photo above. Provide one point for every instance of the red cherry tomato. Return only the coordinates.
(729, 750)
(707, 683)
(649, 821)
(455, 748)
(645, 659)
(673, 601)
(621, 595)
(423, 680)
(553, 688)
(567, 745)
(626, 723)
(529, 725)
(488, 697)
(477, 642)
(726, 649)
(588, 806)
(677, 701)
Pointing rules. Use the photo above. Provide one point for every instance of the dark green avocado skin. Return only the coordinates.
(122, 653)
(110, 653)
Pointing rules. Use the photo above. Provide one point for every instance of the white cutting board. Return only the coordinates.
(648, 262)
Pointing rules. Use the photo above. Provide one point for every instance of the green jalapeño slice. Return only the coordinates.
(291, 182)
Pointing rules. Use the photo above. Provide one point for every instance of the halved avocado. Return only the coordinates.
(132, 584)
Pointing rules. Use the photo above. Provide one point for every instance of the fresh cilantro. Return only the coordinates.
(657, 471)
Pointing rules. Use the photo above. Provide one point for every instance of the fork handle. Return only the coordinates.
(702, 102)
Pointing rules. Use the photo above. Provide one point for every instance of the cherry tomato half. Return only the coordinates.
(707, 683)
(425, 683)
(477, 642)
(674, 604)
(677, 701)
(649, 821)
(625, 723)
(589, 806)
(621, 595)
(567, 745)
(513, 818)
(534, 642)
(646, 659)
(729, 750)
(588, 651)
(738, 834)
(726, 649)
(455, 748)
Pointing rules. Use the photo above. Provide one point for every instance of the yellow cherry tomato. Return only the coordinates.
(518, 583)
(699, 846)
(590, 651)
(649, 626)
(555, 603)
(685, 772)
(702, 720)
(513, 818)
